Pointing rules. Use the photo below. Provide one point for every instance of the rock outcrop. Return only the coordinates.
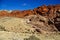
(41, 24)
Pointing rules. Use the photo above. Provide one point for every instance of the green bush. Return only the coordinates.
(32, 38)
(2, 28)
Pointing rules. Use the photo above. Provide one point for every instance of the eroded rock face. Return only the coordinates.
(49, 11)
(42, 10)
(41, 24)
(52, 12)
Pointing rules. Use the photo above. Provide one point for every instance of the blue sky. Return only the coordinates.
(25, 4)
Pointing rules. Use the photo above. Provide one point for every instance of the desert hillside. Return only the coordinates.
(41, 23)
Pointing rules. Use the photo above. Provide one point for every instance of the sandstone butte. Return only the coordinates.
(44, 10)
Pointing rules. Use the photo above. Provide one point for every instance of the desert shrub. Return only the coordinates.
(2, 28)
(32, 38)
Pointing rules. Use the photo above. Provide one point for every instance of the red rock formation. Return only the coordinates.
(44, 10)
(28, 12)
(17, 13)
(3, 13)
